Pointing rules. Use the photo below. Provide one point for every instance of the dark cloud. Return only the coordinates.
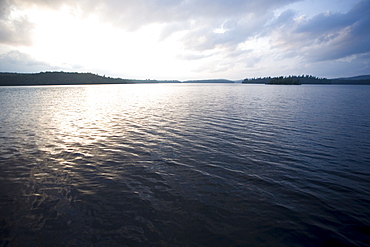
(328, 36)
(226, 33)
(4, 9)
(16, 32)
(13, 31)
(326, 22)
(338, 68)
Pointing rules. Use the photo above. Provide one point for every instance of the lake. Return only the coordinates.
(185, 165)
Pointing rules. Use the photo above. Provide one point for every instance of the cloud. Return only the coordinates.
(254, 35)
(328, 36)
(141, 12)
(192, 56)
(134, 14)
(326, 22)
(13, 30)
(196, 20)
(15, 61)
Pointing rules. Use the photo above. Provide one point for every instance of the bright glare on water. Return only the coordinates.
(185, 165)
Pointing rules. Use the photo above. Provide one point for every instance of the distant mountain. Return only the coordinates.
(359, 77)
(209, 81)
(354, 80)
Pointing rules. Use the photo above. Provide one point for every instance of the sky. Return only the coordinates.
(186, 39)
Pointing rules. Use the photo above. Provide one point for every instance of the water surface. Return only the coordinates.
(185, 165)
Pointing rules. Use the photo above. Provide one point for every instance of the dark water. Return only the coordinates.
(185, 165)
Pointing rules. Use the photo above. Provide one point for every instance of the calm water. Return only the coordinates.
(185, 165)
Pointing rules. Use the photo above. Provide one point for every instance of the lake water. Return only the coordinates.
(185, 165)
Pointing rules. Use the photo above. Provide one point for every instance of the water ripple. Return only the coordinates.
(184, 165)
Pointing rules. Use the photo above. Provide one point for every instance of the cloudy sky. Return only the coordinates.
(186, 39)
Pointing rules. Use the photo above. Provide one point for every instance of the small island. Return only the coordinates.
(308, 79)
(290, 80)
(284, 81)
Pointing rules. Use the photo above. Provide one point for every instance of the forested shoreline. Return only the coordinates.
(64, 78)
(307, 79)
(75, 78)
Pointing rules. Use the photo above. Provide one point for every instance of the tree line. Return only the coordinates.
(64, 78)
(288, 80)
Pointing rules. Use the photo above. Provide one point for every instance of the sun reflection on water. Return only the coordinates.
(96, 114)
